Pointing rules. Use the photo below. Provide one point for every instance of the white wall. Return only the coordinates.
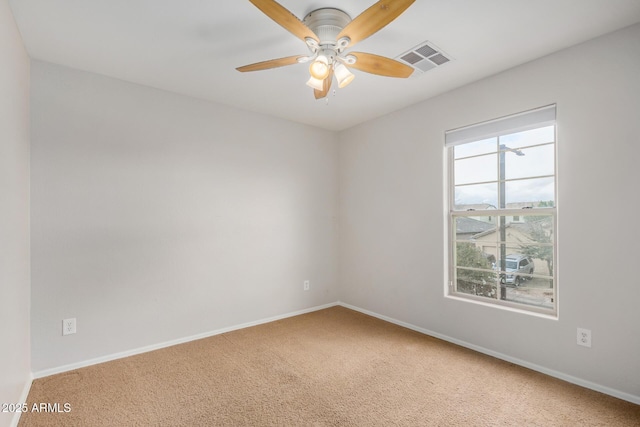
(157, 217)
(392, 215)
(15, 356)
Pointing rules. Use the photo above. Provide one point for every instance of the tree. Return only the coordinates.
(477, 282)
(540, 233)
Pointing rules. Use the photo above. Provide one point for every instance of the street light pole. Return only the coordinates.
(502, 222)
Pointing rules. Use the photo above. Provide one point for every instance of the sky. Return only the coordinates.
(529, 177)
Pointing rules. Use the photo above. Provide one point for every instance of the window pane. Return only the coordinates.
(530, 192)
(536, 292)
(489, 251)
(470, 282)
(529, 137)
(534, 237)
(534, 161)
(484, 196)
(474, 273)
(469, 255)
(534, 230)
(475, 148)
(467, 228)
(476, 169)
(528, 259)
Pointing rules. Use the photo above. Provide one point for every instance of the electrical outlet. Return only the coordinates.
(69, 326)
(584, 337)
(307, 285)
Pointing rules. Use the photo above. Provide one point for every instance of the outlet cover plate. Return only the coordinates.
(584, 337)
(69, 326)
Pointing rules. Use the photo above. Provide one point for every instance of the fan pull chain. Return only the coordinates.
(326, 98)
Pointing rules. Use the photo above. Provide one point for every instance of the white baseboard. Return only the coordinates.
(556, 374)
(23, 399)
(115, 356)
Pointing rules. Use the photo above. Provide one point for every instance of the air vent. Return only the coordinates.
(412, 58)
(424, 57)
(426, 50)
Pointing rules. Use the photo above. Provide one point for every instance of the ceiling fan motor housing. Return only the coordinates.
(327, 23)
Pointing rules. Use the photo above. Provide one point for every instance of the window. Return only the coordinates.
(502, 211)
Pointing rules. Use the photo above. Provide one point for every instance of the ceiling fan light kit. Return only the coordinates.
(314, 83)
(343, 75)
(319, 68)
(328, 32)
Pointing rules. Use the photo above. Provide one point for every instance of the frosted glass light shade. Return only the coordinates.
(343, 75)
(319, 68)
(315, 83)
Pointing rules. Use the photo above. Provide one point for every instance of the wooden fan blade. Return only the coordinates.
(326, 86)
(380, 65)
(373, 19)
(273, 63)
(285, 18)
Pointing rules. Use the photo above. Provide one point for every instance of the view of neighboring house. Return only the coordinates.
(521, 237)
(467, 227)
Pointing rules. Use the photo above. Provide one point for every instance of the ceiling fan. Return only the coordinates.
(328, 32)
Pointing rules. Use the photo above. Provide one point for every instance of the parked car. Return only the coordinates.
(518, 268)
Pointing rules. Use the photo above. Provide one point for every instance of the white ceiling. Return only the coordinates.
(192, 47)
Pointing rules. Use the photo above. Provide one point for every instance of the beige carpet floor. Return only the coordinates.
(334, 367)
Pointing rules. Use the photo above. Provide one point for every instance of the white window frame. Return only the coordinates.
(532, 119)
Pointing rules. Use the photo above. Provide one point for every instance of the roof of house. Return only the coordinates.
(466, 225)
(525, 227)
